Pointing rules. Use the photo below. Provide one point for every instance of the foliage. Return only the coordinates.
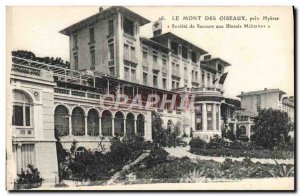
(186, 170)
(216, 142)
(197, 143)
(230, 135)
(261, 154)
(157, 156)
(271, 128)
(28, 179)
(99, 166)
(282, 170)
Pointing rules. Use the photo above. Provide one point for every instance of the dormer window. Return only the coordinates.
(174, 48)
(128, 27)
(184, 52)
(194, 57)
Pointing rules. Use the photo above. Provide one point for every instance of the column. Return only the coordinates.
(100, 128)
(234, 128)
(204, 118)
(113, 126)
(214, 117)
(85, 126)
(19, 157)
(70, 125)
(124, 126)
(219, 105)
(135, 126)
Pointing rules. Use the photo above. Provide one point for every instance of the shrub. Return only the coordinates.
(271, 128)
(28, 179)
(157, 156)
(197, 143)
(216, 142)
(282, 170)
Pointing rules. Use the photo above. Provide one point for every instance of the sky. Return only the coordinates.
(259, 58)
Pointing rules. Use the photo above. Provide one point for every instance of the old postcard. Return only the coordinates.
(150, 98)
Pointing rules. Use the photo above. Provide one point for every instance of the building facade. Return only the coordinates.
(109, 58)
(268, 98)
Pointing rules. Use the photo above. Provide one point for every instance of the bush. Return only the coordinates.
(157, 156)
(197, 143)
(260, 154)
(28, 179)
(216, 142)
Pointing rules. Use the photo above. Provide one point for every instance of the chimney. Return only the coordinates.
(265, 89)
(100, 9)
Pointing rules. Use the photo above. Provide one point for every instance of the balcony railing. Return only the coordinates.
(23, 132)
(26, 69)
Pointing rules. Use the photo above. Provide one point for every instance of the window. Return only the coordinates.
(126, 72)
(61, 121)
(154, 59)
(126, 52)
(220, 67)
(111, 27)
(75, 56)
(198, 117)
(130, 124)
(185, 72)
(132, 54)
(21, 110)
(106, 123)
(209, 116)
(92, 53)
(184, 52)
(93, 123)
(164, 61)
(202, 77)
(196, 75)
(145, 78)
(155, 80)
(75, 40)
(164, 81)
(174, 48)
(78, 122)
(258, 103)
(145, 56)
(119, 124)
(140, 122)
(133, 74)
(92, 34)
(112, 71)
(128, 27)
(208, 80)
(193, 78)
(79, 151)
(111, 51)
(194, 57)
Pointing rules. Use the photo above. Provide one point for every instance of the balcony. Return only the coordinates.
(23, 132)
(176, 73)
(155, 66)
(130, 58)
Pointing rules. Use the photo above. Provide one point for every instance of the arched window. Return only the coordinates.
(78, 122)
(119, 124)
(106, 123)
(93, 123)
(80, 151)
(22, 109)
(140, 122)
(130, 124)
(61, 121)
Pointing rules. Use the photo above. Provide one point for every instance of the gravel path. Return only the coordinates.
(184, 151)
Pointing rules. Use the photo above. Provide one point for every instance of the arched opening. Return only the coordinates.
(119, 124)
(130, 124)
(22, 109)
(93, 122)
(78, 124)
(106, 123)
(61, 121)
(80, 151)
(140, 122)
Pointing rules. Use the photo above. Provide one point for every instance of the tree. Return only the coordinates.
(271, 128)
(61, 155)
